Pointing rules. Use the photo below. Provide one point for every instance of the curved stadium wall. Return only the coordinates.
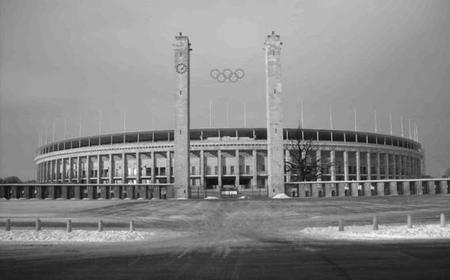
(223, 158)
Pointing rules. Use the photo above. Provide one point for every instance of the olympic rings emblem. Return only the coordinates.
(227, 75)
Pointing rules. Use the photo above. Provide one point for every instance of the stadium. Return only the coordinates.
(220, 159)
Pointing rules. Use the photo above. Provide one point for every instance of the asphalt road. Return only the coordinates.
(230, 240)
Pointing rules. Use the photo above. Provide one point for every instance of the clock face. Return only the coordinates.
(181, 68)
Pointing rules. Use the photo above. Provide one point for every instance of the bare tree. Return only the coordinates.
(303, 163)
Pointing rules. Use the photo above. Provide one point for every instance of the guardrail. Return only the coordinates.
(393, 187)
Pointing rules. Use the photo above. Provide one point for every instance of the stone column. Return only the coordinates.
(138, 167)
(88, 170)
(99, 169)
(368, 189)
(111, 169)
(378, 166)
(444, 187)
(287, 155)
(419, 188)
(64, 193)
(153, 166)
(52, 170)
(333, 164)
(405, 186)
(380, 188)
(328, 189)
(316, 187)
(345, 166)
(63, 173)
(236, 167)
(358, 165)
(51, 191)
(117, 192)
(393, 188)
(219, 167)
(124, 169)
(38, 192)
(255, 169)
(341, 189)
(202, 169)
(369, 166)
(274, 115)
(26, 190)
(354, 187)
(386, 168)
(431, 187)
(168, 164)
(79, 170)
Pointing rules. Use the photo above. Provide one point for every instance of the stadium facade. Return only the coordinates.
(225, 158)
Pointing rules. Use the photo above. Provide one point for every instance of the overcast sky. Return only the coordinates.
(65, 59)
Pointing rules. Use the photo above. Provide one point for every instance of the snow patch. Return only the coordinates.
(211, 197)
(75, 236)
(280, 196)
(384, 232)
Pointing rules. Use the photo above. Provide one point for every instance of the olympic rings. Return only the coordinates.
(227, 74)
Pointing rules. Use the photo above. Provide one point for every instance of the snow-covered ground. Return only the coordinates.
(75, 235)
(281, 196)
(385, 232)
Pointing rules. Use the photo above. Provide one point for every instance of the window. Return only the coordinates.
(231, 169)
(193, 170)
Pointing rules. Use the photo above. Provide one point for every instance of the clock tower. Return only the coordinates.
(182, 50)
(275, 153)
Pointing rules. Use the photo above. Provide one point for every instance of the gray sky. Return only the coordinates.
(65, 59)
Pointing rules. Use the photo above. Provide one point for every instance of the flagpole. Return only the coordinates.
(375, 121)
(354, 118)
(401, 126)
(301, 114)
(390, 122)
(331, 116)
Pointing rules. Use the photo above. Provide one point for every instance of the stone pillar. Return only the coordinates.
(329, 187)
(153, 166)
(138, 167)
(444, 186)
(345, 165)
(63, 173)
(124, 169)
(393, 188)
(236, 168)
(90, 190)
(419, 188)
(405, 186)
(274, 115)
(316, 187)
(380, 188)
(99, 169)
(378, 166)
(182, 116)
(431, 187)
(111, 169)
(369, 166)
(358, 165)
(367, 189)
(219, 167)
(255, 169)
(354, 187)
(202, 169)
(51, 192)
(64, 193)
(168, 165)
(386, 168)
(104, 192)
(88, 170)
(287, 156)
(26, 190)
(333, 164)
(341, 189)
(301, 190)
(38, 192)
(79, 170)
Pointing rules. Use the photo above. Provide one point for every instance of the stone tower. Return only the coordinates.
(182, 117)
(274, 115)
